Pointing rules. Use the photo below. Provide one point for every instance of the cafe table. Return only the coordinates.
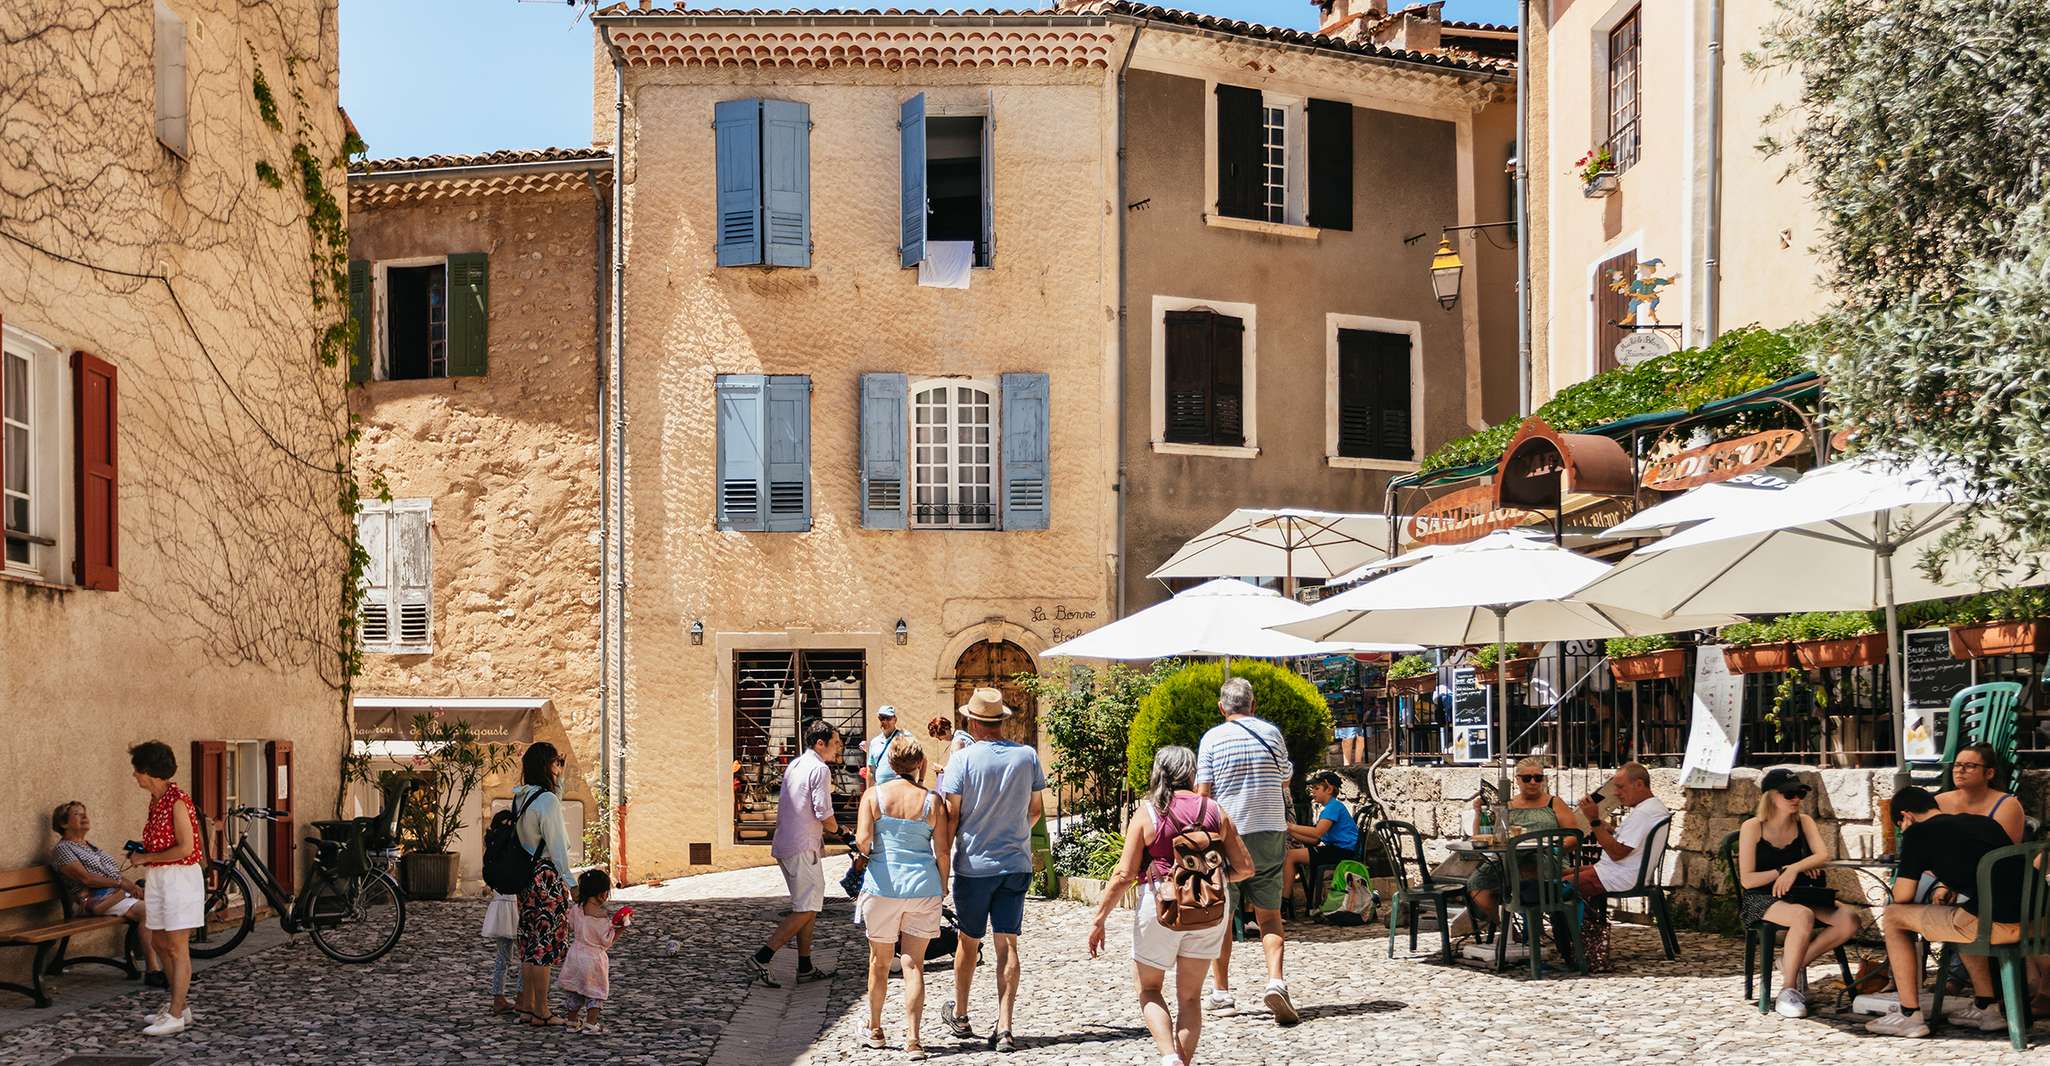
(1471, 855)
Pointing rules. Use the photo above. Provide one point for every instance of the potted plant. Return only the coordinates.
(1597, 172)
(1651, 658)
(453, 762)
(1412, 675)
(1512, 661)
(1833, 640)
(1756, 647)
(2014, 622)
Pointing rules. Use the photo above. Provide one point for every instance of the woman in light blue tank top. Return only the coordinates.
(905, 836)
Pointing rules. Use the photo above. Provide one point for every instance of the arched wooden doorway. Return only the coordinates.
(996, 664)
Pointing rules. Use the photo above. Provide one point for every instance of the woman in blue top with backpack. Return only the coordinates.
(907, 840)
(1181, 847)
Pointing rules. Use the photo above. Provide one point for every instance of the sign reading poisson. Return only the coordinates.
(1722, 460)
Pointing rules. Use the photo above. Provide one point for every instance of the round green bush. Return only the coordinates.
(1183, 707)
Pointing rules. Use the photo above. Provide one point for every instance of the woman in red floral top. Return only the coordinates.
(176, 893)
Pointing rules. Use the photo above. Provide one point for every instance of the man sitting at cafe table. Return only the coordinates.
(1947, 848)
(1617, 869)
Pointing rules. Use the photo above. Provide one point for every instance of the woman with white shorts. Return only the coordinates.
(175, 901)
(1171, 805)
(907, 840)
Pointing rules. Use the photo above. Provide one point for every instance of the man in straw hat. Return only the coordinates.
(994, 792)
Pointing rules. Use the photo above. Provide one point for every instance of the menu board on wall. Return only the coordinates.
(1472, 728)
(1933, 678)
(1718, 721)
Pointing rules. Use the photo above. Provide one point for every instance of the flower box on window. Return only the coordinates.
(1419, 685)
(1602, 184)
(1988, 639)
(1867, 650)
(1655, 666)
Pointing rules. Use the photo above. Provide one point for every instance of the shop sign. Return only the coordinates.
(1722, 460)
(1541, 466)
(492, 725)
(1468, 514)
(1640, 348)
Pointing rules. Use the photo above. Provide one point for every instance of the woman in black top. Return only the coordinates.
(1780, 853)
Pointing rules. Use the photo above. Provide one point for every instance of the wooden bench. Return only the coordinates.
(36, 886)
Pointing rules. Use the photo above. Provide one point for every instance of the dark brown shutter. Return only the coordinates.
(97, 484)
(1610, 307)
(1392, 408)
(1330, 152)
(1189, 377)
(1356, 430)
(1241, 189)
(1373, 395)
(1228, 388)
(277, 771)
(210, 793)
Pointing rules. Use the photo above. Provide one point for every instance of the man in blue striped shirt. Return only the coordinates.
(1244, 765)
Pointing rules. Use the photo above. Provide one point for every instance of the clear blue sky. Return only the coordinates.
(458, 76)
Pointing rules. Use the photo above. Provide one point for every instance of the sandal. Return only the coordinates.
(914, 1052)
(1002, 1040)
(546, 1021)
(874, 1040)
(958, 1025)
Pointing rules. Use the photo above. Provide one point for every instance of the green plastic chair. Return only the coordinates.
(1549, 857)
(1406, 847)
(2035, 937)
(1979, 714)
(1765, 935)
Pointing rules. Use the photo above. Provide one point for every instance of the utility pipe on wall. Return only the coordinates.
(600, 224)
(618, 777)
(1123, 323)
(1712, 237)
(1523, 236)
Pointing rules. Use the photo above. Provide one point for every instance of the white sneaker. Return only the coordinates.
(1277, 1001)
(169, 1026)
(1792, 1004)
(1220, 1001)
(1988, 1019)
(1894, 1023)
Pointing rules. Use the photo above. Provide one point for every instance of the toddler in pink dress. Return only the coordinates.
(586, 976)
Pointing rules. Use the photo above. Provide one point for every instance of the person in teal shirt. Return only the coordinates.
(1333, 838)
(878, 747)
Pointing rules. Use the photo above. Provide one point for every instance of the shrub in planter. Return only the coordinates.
(1412, 675)
(1649, 658)
(1184, 706)
(1833, 639)
(452, 762)
(1756, 647)
(1513, 660)
(2014, 622)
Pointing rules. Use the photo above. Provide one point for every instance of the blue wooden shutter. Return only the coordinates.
(787, 451)
(883, 419)
(786, 182)
(741, 470)
(911, 137)
(1025, 447)
(737, 129)
(469, 314)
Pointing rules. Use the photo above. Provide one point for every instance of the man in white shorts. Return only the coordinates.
(804, 815)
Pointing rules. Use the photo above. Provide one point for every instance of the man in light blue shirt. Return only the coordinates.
(877, 748)
(994, 790)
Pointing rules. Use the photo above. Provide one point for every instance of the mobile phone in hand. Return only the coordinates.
(134, 847)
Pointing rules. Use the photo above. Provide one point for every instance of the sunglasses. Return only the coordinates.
(1797, 792)
(1968, 766)
(1530, 777)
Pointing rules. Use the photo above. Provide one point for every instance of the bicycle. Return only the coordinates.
(353, 912)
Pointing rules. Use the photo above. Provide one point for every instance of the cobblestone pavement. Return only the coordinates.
(679, 998)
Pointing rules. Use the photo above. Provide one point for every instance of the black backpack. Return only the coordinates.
(508, 867)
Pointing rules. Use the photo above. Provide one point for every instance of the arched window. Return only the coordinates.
(953, 456)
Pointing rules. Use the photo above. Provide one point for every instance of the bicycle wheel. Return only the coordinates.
(230, 913)
(355, 919)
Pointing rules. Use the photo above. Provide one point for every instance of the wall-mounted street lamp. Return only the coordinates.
(1446, 266)
(903, 632)
(697, 632)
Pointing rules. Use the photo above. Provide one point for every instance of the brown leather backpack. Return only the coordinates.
(1192, 895)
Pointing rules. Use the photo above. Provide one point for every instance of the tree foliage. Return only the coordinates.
(1184, 706)
(1923, 138)
(1088, 718)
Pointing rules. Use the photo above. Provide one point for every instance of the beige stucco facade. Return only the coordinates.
(1661, 208)
(227, 431)
(1047, 306)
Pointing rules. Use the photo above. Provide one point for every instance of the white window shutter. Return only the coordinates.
(373, 531)
(173, 120)
(413, 574)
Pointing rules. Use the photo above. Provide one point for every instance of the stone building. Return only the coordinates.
(479, 282)
(174, 548)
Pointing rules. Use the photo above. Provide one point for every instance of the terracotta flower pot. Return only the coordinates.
(1759, 658)
(1419, 685)
(1515, 669)
(1988, 639)
(1867, 650)
(1655, 666)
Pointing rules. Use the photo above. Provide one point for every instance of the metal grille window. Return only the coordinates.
(953, 435)
(1623, 91)
(1275, 164)
(775, 695)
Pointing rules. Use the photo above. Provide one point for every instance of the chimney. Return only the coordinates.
(1349, 20)
(1417, 29)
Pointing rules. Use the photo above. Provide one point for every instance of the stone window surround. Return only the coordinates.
(1247, 313)
(1598, 72)
(1333, 323)
(51, 441)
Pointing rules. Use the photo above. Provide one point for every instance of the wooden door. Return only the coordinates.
(997, 665)
(210, 794)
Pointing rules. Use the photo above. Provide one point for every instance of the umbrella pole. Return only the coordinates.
(1502, 716)
(1895, 668)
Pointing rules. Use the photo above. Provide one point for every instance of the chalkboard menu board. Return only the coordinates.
(1933, 676)
(1469, 699)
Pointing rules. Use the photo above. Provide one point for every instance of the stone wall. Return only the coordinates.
(1845, 802)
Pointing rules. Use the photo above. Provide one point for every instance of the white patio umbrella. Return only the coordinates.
(1503, 587)
(1698, 506)
(1225, 617)
(1286, 543)
(1826, 543)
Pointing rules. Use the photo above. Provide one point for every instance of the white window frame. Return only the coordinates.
(394, 644)
(1333, 323)
(1249, 365)
(1598, 74)
(1296, 161)
(988, 387)
(50, 460)
(380, 304)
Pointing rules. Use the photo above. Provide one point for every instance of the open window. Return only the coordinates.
(416, 322)
(1284, 160)
(948, 181)
(420, 318)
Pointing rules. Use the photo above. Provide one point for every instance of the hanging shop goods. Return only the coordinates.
(1722, 460)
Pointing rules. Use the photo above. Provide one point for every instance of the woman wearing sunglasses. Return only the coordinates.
(1780, 853)
(1975, 779)
(1532, 807)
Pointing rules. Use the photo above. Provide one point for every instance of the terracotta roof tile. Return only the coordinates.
(501, 157)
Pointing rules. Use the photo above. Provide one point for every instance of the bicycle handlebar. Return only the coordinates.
(266, 813)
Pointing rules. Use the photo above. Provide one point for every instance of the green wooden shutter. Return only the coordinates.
(786, 183)
(1241, 131)
(1025, 432)
(738, 462)
(469, 314)
(1330, 164)
(737, 133)
(359, 309)
(883, 458)
(911, 166)
(787, 452)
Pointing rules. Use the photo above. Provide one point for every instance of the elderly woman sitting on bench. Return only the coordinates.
(97, 876)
